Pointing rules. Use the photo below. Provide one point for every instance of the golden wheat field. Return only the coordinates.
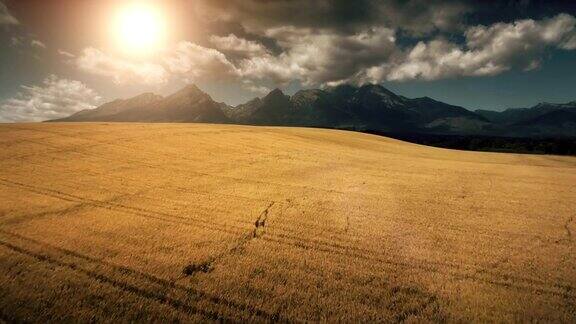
(188, 222)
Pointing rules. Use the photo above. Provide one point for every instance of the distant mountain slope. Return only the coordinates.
(187, 105)
(108, 111)
(518, 115)
(553, 118)
(544, 119)
(430, 109)
(439, 117)
(368, 108)
(242, 112)
(560, 122)
(273, 109)
(373, 106)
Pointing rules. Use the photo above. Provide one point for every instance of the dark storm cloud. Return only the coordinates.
(323, 42)
(320, 57)
(414, 16)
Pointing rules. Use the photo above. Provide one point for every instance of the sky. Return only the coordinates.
(61, 56)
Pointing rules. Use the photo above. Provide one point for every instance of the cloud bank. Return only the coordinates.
(54, 98)
(96, 62)
(340, 16)
(374, 55)
(327, 42)
(488, 50)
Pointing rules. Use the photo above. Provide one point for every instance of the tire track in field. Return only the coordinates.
(368, 254)
(259, 225)
(320, 246)
(479, 231)
(154, 166)
(361, 253)
(130, 162)
(60, 212)
(567, 228)
(141, 212)
(406, 297)
(343, 237)
(181, 189)
(161, 298)
(74, 148)
(568, 236)
(431, 266)
(436, 267)
(207, 193)
(98, 203)
(257, 232)
(78, 148)
(137, 276)
(330, 247)
(195, 192)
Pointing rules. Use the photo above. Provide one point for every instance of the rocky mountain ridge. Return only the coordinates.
(367, 108)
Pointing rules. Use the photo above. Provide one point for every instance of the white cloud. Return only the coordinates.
(255, 88)
(66, 54)
(439, 59)
(38, 44)
(6, 18)
(238, 46)
(121, 71)
(261, 90)
(488, 50)
(25, 43)
(319, 57)
(322, 57)
(186, 61)
(193, 62)
(54, 98)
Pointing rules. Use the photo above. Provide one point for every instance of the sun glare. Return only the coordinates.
(140, 28)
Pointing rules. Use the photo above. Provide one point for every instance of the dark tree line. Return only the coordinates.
(556, 145)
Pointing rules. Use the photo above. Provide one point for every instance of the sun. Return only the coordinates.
(139, 28)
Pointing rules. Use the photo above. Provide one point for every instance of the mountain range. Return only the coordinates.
(366, 108)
